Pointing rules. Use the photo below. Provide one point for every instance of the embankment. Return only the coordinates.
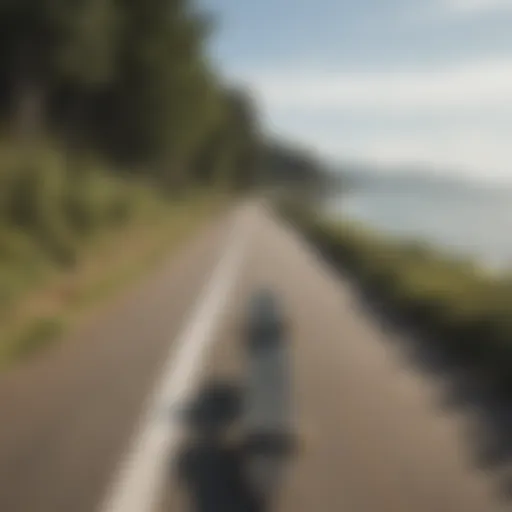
(74, 231)
(455, 305)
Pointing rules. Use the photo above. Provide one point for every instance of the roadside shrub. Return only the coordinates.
(35, 203)
(21, 263)
(36, 335)
(465, 311)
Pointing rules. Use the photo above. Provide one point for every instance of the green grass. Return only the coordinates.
(175, 224)
(32, 333)
(59, 216)
(33, 337)
(465, 310)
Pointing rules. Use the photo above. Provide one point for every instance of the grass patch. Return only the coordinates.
(72, 231)
(178, 223)
(36, 317)
(30, 340)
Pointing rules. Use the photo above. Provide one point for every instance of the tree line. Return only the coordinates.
(128, 79)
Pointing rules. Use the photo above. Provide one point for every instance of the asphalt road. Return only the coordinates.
(372, 436)
(67, 417)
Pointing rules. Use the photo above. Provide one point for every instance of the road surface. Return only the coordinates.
(371, 435)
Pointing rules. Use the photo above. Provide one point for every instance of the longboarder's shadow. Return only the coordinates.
(214, 469)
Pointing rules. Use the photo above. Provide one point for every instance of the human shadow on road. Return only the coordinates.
(464, 388)
(215, 467)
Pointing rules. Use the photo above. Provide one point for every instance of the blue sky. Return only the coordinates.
(385, 81)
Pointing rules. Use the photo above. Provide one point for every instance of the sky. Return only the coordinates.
(393, 82)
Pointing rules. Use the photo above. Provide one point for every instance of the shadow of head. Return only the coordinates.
(216, 407)
(225, 473)
(211, 467)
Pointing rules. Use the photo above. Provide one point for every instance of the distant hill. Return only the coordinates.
(411, 177)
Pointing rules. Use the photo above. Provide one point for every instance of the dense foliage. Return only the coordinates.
(127, 79)
(463, 311)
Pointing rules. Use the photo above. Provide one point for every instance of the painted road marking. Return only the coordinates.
(138, 485)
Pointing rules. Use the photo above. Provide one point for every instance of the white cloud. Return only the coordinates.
(480, 85)
(459, 117)
(434, 12)
(475, 152)
(481, 153)
(478, 5)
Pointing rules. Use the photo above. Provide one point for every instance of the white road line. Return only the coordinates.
(139, 483)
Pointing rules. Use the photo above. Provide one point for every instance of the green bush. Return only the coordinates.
(467, 312)
(50, 203)
(94, 200)
(36, 336)
(35, 187)
(57, 201)
(22, 263)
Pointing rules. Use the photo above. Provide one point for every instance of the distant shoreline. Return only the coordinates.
(465, 221)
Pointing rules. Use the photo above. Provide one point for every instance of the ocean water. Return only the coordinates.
(473, 222)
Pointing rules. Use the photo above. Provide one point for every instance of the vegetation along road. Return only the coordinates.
(371, 434)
